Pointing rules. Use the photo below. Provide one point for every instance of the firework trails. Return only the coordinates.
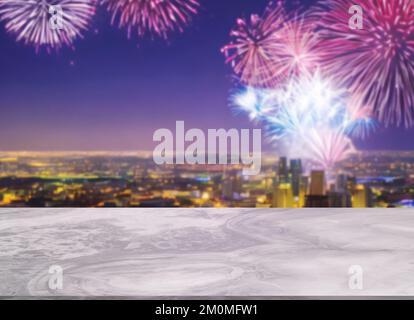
(376, 62)
(30, 20)
(285, 60)
(158, 17)
(308, 118)
(266, 51)
(252, 51)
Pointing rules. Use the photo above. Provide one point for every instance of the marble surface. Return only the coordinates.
(206, 252)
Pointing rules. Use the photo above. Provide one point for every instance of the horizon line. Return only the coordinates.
(151, 151)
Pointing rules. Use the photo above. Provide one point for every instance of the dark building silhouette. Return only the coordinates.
(296, 174)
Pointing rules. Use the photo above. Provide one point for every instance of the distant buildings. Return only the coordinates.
(283, 172)
(294, 190)
(99, 180)
(318, 183)
(231, 186)
(287, 189)
(339, 195)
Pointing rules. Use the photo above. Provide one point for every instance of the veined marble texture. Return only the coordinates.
(206, 252)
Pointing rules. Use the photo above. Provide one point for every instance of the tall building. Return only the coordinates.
(341, 183)
(296, 174)
(362, 197)
(304, 186)
(340, 197)
(232, 186)
(283, 196)
(283, 173)
(317, 187)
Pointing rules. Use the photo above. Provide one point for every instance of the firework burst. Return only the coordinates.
(308, 118)
(159, 17)
(266, 51)
(297, 50)
(324, 148)
(30, 21)
(251, 52)
(377, 62)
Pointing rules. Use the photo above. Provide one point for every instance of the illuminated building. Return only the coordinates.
(283, 196)
(341, 183)
(283, 173)
(300, 200)
(317, 187)
(261, 202)
(8, 198)
(304, 184)
(90, 179)
(361, 197)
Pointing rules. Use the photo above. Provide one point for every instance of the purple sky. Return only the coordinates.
(112, 93)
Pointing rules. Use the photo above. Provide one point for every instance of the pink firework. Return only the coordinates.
(325, 148)
(251, 53)
(267, 50)
(376, 62)
(159, 17)
(297, 50)
(32, 20)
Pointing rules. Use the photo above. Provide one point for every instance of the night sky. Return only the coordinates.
(112, 93)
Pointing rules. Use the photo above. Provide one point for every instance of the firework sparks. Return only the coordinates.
(377, 62)
(308, 118)
(30, 21)
(252, 51)
(267, 50)
(258, 104)
(159, 17)
(325, 147)
(296, 49)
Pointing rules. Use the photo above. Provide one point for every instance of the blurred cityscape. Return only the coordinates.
(131, 179)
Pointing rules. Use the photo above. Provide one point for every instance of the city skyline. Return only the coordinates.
(131, 179)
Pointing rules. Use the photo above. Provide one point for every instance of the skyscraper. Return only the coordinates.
(283, 196)
(317, 197)
(283, 173)
(340, 196)
(232, 186)
(296, 173)
(341, 183)
(362, 197)
(339, 199)
(317, 187)
(304, 186)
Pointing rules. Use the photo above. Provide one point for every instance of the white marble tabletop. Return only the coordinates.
(206, 252)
